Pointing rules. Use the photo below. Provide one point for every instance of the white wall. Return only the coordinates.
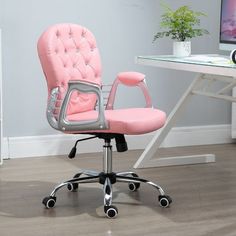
(124, 29)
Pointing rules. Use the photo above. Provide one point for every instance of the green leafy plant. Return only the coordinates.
(180, 25)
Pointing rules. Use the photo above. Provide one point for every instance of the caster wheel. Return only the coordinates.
(72, 187)
(77, 175)
(134, 186)
(165, 200)
(111, 211)
(49, 202)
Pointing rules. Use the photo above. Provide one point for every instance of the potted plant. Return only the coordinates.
(180, 25)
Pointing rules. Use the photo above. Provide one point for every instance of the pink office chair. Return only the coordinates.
(71, 63)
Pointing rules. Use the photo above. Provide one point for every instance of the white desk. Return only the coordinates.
(207, 74)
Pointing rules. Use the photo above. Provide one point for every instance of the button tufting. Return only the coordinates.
(83, 33)
(75, 56)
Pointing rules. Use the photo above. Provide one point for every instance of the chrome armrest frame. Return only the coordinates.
(65, 125)
(51, 108)
(142, 85)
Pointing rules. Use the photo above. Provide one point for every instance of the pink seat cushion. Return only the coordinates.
(126, 121)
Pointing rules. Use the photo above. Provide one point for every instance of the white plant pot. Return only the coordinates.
(182, 49)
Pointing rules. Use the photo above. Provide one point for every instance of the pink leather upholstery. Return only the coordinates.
(127, 121)
(130, 78)
(69, 52)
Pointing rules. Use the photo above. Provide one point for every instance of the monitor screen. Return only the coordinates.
(228, 25)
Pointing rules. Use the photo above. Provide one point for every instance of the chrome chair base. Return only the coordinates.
(107, 178)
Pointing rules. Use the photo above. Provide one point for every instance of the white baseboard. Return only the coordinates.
(233, 134)
(199, 135)
(60, 144)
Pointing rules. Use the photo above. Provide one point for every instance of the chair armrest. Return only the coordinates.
(65, 125)
(52, 107)
(129, 79)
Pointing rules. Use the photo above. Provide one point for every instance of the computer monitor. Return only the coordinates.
(228, 25)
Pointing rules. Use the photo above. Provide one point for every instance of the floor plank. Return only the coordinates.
(204, 197)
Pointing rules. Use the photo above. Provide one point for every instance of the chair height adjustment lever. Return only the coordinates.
(74, 149)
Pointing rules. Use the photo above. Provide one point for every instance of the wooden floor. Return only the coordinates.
(204, 197)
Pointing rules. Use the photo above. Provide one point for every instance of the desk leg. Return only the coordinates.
(145, 159)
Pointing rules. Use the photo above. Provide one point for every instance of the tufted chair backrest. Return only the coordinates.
(69, 52)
